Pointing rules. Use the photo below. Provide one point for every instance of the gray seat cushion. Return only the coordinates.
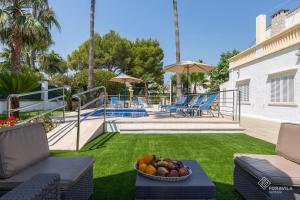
(288, 142)
(277, 169)
(69, 169)
(20, 147)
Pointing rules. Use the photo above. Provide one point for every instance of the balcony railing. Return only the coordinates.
(278, 42)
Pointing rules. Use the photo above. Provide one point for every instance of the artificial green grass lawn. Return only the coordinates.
(115, 154)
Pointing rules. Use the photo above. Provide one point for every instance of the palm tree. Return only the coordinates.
(11, 83)
(52, 63)
(199, 79)
(46, 16)
(69, 99)
(178, 77)
(92, 45)
(5, 56)
(19, 27)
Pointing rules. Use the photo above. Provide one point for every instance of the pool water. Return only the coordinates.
(131, 113)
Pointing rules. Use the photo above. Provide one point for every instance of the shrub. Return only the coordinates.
(101, 78)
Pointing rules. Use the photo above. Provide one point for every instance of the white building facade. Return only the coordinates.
(268, 73)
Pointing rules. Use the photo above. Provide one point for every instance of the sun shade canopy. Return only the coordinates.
(125, 79)
(188, 67)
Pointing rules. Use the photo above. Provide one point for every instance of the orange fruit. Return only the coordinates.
(150, 170)
(148, 158)
(142, 167)
(140, 161)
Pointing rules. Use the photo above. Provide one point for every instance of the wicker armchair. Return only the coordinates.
(268, 177)
(24, 153)
(40, 187)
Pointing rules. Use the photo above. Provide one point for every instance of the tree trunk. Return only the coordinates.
(70, 104)
(195, 88)
(16, 50)
(146, 92)
(31, 58)
(32, 49)
(178, 78)
(16, 46)
(92, 45)
(14, 104)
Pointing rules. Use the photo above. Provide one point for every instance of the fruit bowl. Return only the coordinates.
(162, 169)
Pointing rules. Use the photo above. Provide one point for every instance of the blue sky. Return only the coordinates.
(207, 27)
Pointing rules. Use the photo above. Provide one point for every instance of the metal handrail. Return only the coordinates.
(9, 97)
(80, 107)
(36, 104)
(36, 92)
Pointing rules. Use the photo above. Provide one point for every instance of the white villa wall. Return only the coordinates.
(293, 18)
(268, 32)
(259, 87)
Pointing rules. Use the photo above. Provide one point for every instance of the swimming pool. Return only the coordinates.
(132, 113)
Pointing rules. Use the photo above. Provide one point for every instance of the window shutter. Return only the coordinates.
(247, 92)
(272, 90)
(282, 89)
(244, 91)
(277, 89)
(285, 89)
(291, 89)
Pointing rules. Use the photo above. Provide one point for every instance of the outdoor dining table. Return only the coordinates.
(198, 186)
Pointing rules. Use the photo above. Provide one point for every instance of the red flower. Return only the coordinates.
(11, 118)
(12, 124)
(2, 122)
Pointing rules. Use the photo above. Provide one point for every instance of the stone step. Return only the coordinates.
(174, 127)
(177, 131)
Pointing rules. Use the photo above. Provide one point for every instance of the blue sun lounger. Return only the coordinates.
(136, 102)
(205, 106)
(197, 103)
(187, 103)
(115, 102)
(179, 107)
(180, 102)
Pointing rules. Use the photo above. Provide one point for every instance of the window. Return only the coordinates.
(282, 89)
(244, 91)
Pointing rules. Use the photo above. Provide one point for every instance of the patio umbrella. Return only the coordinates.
(187, 67)
(125, 79)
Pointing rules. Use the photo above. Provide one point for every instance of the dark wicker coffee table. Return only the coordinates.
(198, 186)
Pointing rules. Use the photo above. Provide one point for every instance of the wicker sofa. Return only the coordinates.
(271, 176)
(39, 187)
(24, 153)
